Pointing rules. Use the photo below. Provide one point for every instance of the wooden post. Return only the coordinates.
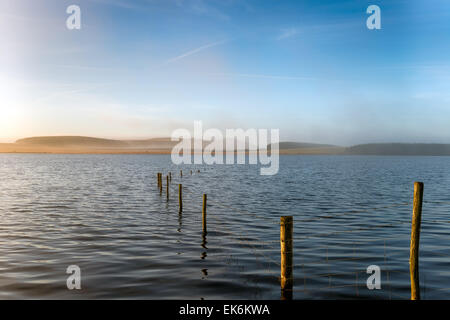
(204, 213)
(415, 238)
(180, 197)
(157, 177)
(191, 172)
(286, 243)
(181, 173)
(167, 187)
(170, 176)
(160, 184)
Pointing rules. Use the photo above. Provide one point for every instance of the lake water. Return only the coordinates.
(104, 213)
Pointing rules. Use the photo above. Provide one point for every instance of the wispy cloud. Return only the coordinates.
(120, 4)
(318, 28)
(262, 76)
(204, 8)
(194, 51)
(288, 33)
(66, 92)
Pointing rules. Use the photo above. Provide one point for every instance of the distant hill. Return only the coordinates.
(164, 143)
(79, 144)
(407, 149)
(89, 142)
(66, 141)
(300, 145)
(289, 147)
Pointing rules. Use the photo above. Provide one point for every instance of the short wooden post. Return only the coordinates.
(181, 173)
(167, 187)
(170, 176)
(415, 239)
(180, 197)
(286, 243)
(204, 213)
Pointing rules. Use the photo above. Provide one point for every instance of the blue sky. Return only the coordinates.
(143, 68)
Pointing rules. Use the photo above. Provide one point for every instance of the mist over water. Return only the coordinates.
(104, 213)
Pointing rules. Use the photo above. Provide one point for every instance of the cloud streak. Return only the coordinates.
(195, 51)
(120, 4)
(262, 76)
(288, 33)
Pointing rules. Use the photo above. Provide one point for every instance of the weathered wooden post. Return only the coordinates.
(167, 187)
(286, 244)
(415, 239)
(158, 179)
(160, 184)
(181, 173)
(204, 213)
(180, 197)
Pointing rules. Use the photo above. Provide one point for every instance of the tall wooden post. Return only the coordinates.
(286, 243)
(204, 213)
(415, 239)
(167, 187)
(180, 197)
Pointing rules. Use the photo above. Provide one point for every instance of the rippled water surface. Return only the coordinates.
(104, 213)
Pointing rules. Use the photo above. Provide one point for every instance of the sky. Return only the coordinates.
(141, 69)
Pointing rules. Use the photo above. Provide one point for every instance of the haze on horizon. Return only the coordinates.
(144, 68)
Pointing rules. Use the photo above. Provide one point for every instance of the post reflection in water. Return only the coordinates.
(180, 222)
(204, 242)
(205, 273)
(204, 255)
